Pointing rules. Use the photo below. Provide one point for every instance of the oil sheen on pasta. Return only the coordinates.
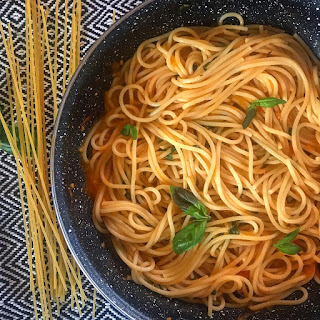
(190, 89)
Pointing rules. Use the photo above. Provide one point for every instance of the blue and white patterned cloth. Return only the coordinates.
(15, 296)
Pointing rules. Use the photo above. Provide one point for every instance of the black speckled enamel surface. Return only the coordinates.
(84, 97)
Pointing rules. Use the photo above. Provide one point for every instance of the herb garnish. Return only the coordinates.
(128, 195)
(194, 67)
(193, 233)
(4, 142)
(264, 103)
(128, 129)
(290, 131)
(234, 229)
(169, 156)
(205, 67)
(286, 246)
(189, 236)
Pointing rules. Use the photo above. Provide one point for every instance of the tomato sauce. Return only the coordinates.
(245, 274)
(309, 270)
(92, 183)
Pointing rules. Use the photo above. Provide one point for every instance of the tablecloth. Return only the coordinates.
(15, 295)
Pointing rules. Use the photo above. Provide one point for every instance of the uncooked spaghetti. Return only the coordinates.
(54, 274)
(231, 115)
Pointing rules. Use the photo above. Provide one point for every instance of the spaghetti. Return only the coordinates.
(187, 93)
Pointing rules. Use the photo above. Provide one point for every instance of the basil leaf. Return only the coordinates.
(126, 130)
(267, 102)
(183, 198)
(286, 246)
(4, 142)
(234, 229)
(196, 212)
(134, 132)
(290, 131)
(288, 238)
(169, 156)
(128, 195)
(251, 113)
(189, 236)
(205, 67)
(194, 67)
(289, 248)
(202, 209)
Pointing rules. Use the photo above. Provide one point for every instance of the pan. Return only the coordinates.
(84, 98)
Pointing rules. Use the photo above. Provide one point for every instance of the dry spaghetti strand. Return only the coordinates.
(53, 268)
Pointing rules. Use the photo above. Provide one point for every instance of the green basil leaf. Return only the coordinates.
(169, 157)
(288, 238)
(193, 211)
(189, 236)
(134, 132)
(128, 195)
(251, 113)
(202, 209)
(6, 147)
(197, 211)
(125, 131)
(234, 229)
(196, 146)
(290, 131)
(267, 102)
(205, 67)
(172, 191)
(183, 198)
(4, 142)
(289, 248)
(194, 67)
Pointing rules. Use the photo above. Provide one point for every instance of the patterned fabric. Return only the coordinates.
(15, 296)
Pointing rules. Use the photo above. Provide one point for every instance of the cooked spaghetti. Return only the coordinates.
(174, 117)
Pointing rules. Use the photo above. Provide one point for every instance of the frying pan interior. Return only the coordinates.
(84, 97)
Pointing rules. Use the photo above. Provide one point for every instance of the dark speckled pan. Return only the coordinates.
(84, 97)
